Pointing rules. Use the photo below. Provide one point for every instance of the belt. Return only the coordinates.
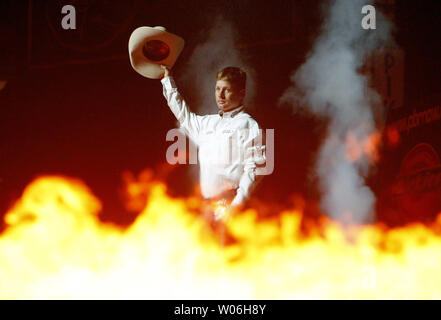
(227, 195)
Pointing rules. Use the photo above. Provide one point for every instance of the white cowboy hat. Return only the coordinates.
(151, 47)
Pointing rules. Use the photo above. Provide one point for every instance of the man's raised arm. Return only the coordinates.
(188, 120)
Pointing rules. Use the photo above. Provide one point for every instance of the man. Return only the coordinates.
(229, 142)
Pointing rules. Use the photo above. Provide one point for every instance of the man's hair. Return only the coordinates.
(236, 76)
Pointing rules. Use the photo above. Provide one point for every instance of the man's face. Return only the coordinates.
(228, 97)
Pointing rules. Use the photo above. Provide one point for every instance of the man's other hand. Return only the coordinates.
(220, 211)
(223, 212)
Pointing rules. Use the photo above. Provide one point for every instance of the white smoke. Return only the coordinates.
(330, 85)
(216, 52)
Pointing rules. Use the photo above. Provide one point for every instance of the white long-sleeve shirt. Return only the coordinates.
(227, 144)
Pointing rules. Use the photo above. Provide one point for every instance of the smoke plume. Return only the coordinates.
(214, 53)
(330, 85)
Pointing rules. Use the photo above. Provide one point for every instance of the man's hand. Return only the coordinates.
(167, 71)
(220, 212)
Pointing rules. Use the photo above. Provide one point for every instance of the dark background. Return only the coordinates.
(74, 106)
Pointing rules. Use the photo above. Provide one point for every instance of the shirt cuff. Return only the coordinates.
(168, 83)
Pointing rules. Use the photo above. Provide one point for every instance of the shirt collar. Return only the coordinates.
(232, 113)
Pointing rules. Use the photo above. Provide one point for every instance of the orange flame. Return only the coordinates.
(55, 247)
